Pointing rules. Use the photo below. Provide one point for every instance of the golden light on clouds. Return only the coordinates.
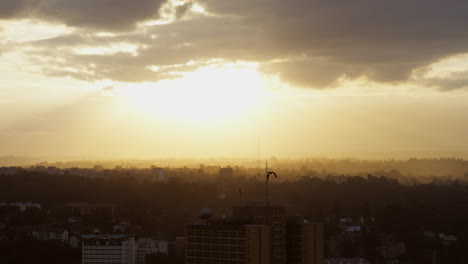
(111, 49)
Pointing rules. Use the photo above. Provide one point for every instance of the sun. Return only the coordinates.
(212, 93)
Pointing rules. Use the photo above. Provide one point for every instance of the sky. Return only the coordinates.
(213, 78)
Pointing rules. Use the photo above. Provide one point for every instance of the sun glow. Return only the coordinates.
(210, 94)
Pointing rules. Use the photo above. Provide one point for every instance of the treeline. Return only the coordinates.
(163, 208)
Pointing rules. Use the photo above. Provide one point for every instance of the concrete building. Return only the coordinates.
(107, 249)
(227, 241)
(304, 243)
(140, 256)
(272, 216)
(255, 234)
(152, 246)
(51, 234)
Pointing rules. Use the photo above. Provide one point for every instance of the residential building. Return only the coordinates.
(228, 241)
(304, 242)
(50, 233)
(255, 234)
(140, 256)
(152, 246)
(275, 218)
(106, 249)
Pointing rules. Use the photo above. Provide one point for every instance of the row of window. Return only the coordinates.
(209, 254)
(209, 240)
(193, 260)
(104, 249)
(216, 247)
(99, 262)
(104, 254)
(101, 259)
(215, 233)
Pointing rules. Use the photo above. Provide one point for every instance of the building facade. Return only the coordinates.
(227, 241)
(272, 216)
(108, 249)
(304, 243)
(257, 234)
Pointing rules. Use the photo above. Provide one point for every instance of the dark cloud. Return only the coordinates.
(114, 15)
(312, 43)
(384, 40)
(12, 8)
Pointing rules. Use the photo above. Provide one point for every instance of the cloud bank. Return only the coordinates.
(308, 43)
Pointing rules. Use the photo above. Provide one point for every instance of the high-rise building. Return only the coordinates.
(304, 242)
(107, 249)
(259, 234)
(228, 241)
(275, 218)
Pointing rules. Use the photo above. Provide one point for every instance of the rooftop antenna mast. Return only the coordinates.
(268, 173)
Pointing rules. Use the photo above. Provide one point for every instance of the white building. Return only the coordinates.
(350, 229)
(59, 234)
(106, 249)
(448, 239)
(151, 246)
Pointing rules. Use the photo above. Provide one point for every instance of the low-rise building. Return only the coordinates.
(116, 249)
(152, 246)
(51, 234)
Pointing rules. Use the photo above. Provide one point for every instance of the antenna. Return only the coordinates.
(267, 195)
(258, 157)
(267, 174)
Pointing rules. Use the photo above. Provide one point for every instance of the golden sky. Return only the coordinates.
(206, 78)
